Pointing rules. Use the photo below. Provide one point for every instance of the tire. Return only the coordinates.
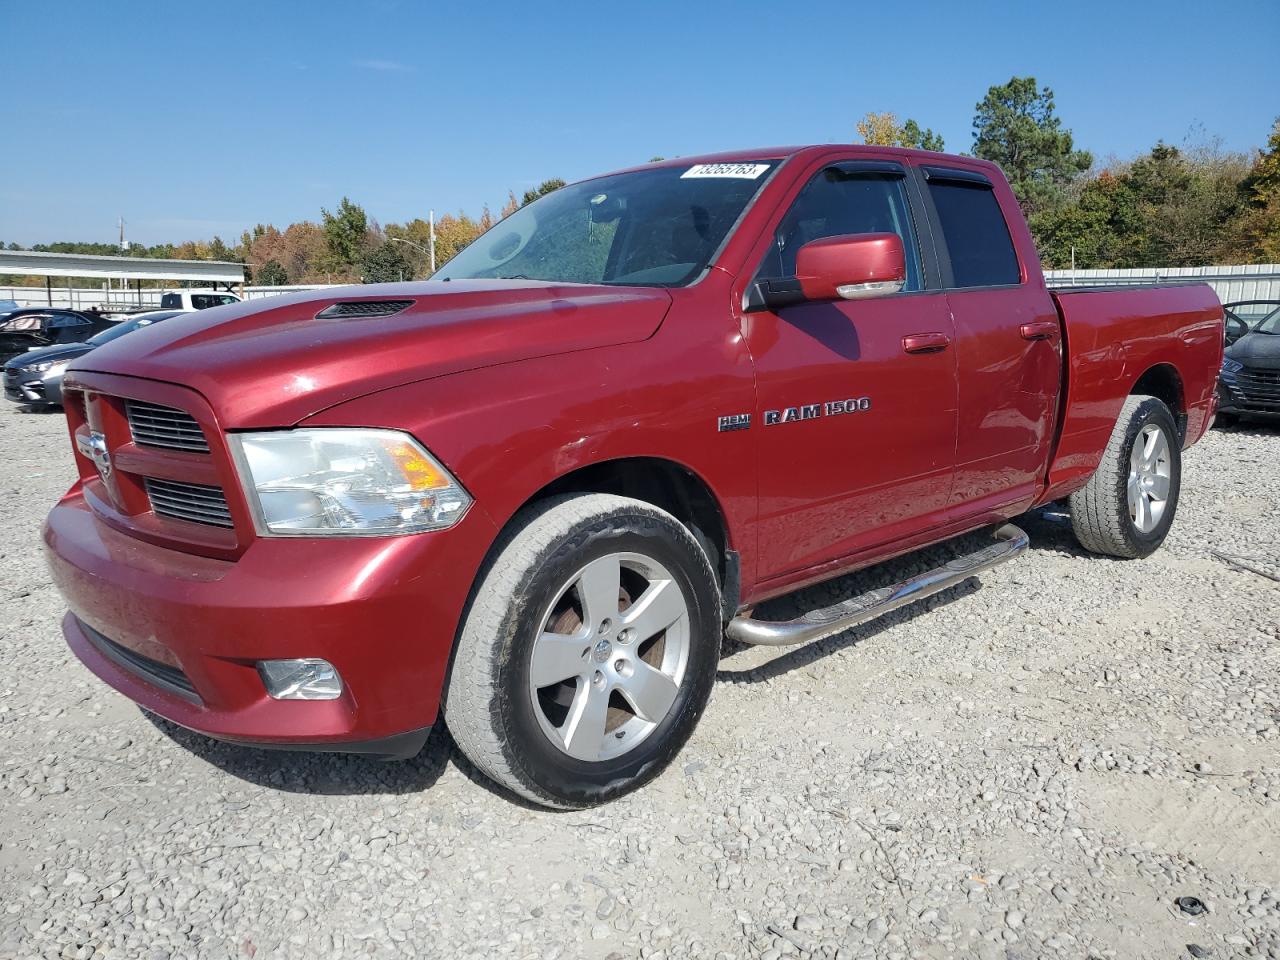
(1102, 516)
(534, 605)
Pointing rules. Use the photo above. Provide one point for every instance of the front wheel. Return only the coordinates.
(588, 651)
(1128, 505)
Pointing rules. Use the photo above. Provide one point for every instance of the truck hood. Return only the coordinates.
(273, 362)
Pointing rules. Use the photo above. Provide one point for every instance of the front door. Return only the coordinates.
(856, 400)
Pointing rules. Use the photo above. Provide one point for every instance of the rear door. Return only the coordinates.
(69, 328)
(1008, 341)
(855, 421)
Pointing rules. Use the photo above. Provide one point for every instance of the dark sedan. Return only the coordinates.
(35, 377)
(1250, 381)
(33, 327)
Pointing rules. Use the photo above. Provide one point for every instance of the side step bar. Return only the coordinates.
(1010, 541)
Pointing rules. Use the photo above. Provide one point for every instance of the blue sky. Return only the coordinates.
(200, 119)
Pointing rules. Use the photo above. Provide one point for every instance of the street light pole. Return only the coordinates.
(431, 220)
(431, 254)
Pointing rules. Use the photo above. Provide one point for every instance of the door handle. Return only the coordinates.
(925, 342)
(1040, 330)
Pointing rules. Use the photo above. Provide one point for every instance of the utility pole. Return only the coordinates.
(431, 237)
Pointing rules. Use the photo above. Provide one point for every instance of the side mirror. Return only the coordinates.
(851, 267)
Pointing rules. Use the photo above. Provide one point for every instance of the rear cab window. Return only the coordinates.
(974, 230)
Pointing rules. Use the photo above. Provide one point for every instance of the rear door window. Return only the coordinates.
(171, 300)
(60, 320)
(975, 232)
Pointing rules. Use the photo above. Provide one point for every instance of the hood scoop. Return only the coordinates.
(349, 309)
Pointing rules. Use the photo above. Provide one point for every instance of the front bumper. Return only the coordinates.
(1247, 400)
(181, 635)
(23, 387)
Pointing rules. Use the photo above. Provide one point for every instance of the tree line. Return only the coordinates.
(1171, 206)
(344, 246)
(1168, 207)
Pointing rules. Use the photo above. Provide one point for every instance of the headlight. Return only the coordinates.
(50, 366)
(345, 482)
(1230, 366)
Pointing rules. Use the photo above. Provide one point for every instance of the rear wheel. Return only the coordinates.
(588, 652)
(1128, 505)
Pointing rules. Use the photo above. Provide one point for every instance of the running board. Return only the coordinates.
(1010, 541)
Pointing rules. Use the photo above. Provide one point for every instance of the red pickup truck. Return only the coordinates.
(535, 492)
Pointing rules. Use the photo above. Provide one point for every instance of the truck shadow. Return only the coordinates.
(1049, 528)
(336, 774)
(329, 774)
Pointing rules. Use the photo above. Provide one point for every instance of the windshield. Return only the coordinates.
(1271, 325)
(137, 323)
(650, 228)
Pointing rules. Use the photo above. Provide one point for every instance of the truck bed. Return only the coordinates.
(1114, 335)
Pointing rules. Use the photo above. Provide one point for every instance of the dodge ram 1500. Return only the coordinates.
(535, 492)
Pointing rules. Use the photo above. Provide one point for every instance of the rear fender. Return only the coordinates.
(1113, 338)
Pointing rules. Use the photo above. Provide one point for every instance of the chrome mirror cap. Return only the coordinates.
(868, 291)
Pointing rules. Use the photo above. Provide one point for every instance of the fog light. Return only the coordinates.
(305, 679)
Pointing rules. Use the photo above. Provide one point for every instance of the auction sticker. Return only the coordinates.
(735, 171)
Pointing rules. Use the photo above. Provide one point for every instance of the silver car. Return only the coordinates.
(35, 377)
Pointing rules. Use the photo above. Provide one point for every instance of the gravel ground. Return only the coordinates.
(1037, 767)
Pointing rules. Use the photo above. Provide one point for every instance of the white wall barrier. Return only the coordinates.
(1240, 282)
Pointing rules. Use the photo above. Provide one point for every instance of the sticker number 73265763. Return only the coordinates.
(735, 171)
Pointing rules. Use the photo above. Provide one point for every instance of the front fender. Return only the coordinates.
(507, 431)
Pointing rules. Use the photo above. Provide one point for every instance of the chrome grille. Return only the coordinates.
(193, 502)
(154, 425)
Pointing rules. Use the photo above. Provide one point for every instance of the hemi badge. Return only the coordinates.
(734, 421)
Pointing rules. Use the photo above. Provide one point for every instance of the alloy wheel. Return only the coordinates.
(1148, 485)
(609, 657)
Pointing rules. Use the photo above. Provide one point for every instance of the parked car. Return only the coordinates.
(1249, 387)
(36, 327)
(35, 377)
(195, 299)
(536, 491)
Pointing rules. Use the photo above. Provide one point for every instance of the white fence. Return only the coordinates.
(1255, 281)
(82, 298)
(1243, 282)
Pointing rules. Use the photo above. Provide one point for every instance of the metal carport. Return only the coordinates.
(124, 269)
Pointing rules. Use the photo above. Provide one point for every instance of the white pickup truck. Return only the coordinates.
(195, 299)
